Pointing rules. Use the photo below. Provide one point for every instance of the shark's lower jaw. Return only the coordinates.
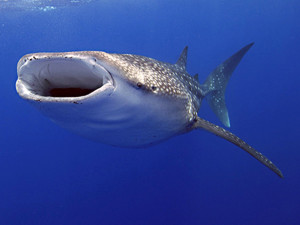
(60, 78)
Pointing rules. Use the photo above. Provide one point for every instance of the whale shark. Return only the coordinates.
(128, 100)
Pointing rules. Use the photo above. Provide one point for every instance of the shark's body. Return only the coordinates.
(127, 100)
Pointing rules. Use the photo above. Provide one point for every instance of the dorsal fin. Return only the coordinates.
(196, 77)
(182, 59)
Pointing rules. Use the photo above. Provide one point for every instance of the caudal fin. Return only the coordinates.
(216, 82)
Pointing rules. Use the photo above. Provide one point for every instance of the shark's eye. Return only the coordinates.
(153, 88)
(139, 84)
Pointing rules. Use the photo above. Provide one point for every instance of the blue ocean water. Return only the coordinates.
(50, 176)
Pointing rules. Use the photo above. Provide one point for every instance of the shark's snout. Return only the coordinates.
(54, 77)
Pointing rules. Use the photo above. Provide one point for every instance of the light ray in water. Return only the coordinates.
(42, 5)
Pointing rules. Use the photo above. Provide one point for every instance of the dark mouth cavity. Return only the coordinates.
(69, 92)
(63, 78)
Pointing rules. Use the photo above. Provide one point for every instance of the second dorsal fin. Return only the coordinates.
(196, 77)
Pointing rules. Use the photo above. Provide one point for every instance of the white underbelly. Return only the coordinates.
(123, 118)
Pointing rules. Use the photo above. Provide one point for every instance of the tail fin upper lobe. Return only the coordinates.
(216, 82)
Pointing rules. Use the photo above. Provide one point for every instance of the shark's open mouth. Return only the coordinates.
(42, 76)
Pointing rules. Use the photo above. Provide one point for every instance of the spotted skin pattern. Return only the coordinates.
(159, 78)
(171, 81)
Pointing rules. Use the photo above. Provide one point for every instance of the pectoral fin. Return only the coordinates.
(221, 132)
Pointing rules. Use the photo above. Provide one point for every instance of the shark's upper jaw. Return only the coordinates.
(61, 77)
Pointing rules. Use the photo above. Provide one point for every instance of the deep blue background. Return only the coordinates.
(50, 176)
